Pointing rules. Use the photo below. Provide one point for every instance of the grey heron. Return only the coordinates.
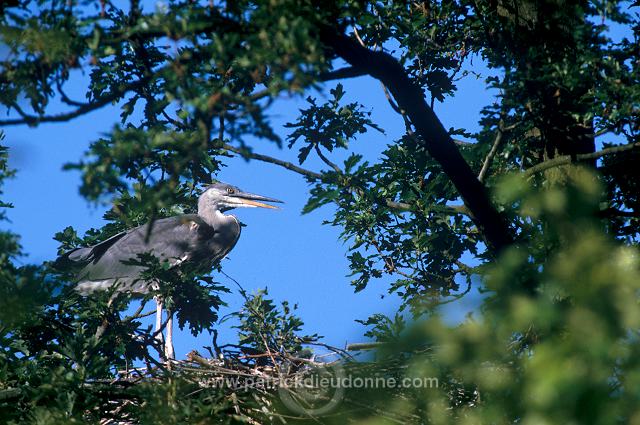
(201, 239)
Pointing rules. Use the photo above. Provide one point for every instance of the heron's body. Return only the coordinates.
(198, 239)
(185, 238)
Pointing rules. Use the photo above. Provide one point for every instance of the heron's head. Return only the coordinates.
(224, 197)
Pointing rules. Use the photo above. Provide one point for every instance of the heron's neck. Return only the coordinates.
(211, 215)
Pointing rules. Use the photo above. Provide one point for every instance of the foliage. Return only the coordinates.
(263, 327)
(538, 208)
(330, 125)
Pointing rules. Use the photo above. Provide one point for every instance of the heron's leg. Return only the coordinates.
(102, 328)
(169, 354)
(105, 323)
(158, 334)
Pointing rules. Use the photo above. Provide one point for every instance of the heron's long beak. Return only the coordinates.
(252, 200)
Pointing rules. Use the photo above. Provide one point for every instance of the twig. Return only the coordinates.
(327, 160)
(494, 148)
(614, 212)
(138, 313)
(449, 209)
(34, 120)
(492, 153)
(402, 206)
(387, 94)
(264, 158)
(65, 98)
(362, 346)
(343, 353)
(10, 393)
(395, 107)
(388, 261)
(457, 296)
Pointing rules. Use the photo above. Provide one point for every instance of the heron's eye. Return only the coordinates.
(230, 191)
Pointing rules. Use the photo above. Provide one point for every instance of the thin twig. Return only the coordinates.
(314, 176)
(492, 153)
(327, 160)
(388, 261)
(361, 346)
(264, 158)
(33, 120)
(494, 148)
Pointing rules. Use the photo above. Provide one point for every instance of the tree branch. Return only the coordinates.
(614, 212)
(312, 175)
(449, 209)
(264, 158)
(492, 153)
(566, 159)
(10, 393)
(433, 136)
(342, 73)
(327, 160)
(33, 120)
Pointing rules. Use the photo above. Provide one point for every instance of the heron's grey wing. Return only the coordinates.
(172, 239)
(80, 256)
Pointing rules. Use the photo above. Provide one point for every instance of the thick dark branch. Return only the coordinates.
(433, 136)
(342, 73)
(566, 159)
